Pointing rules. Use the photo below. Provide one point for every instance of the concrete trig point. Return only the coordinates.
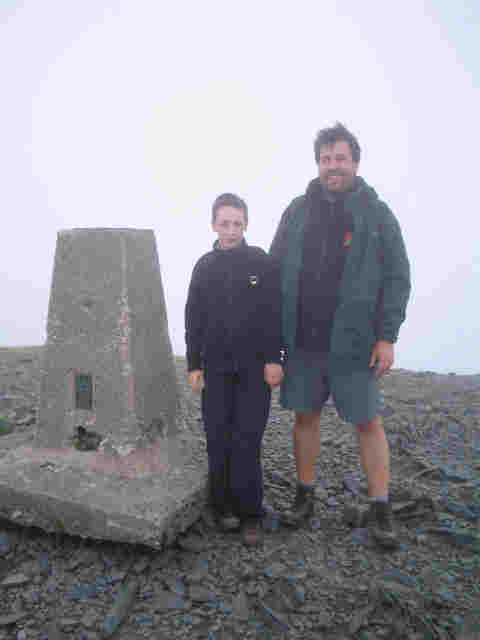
(108, 362)
(108, 376)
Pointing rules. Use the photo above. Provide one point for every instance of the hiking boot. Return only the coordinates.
(380, 525)
(229, 522)
(303, 506)
(251, 533)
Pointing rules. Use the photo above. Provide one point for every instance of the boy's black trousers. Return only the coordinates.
(235, 408)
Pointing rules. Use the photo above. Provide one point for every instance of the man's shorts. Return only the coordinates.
(306, 387)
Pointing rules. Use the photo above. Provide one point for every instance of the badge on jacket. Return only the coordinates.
(253, 280)
(347, 241)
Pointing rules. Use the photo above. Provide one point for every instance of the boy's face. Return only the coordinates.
(230, 225)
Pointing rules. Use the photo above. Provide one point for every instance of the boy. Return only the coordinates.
(233, 337)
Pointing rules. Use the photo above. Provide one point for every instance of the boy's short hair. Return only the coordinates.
(229, 200)
(337, 133)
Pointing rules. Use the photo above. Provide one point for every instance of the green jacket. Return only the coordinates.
(375, 287)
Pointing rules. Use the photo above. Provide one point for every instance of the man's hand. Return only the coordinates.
(382, 357)
(196, 380)
(273, 374)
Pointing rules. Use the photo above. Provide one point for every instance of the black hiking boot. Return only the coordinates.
(303, 506)
(379, 522)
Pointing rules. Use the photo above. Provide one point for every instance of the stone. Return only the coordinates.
(198, 572)
(275, 570)
(15, 580)
(4, 543)
(240, 606)
(120, 608)
(192, 543)
(201, 594)
(166, 601)
(7, 620)
(278, 618)
(360, 536)
(175, 585)
(89, 620)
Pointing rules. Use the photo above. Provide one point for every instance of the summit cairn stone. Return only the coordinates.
(112, 457)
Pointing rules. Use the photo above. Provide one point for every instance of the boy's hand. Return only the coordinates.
(196, 380)
(273, 374)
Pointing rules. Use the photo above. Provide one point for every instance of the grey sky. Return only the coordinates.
(137, 114)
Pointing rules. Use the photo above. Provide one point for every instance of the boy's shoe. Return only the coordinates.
(229, 522)
(303, 506)
(251, 532)
(379, 522)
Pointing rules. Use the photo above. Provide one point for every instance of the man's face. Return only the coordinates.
(230, 226)
(336, 168)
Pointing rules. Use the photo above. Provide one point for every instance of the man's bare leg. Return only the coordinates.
(374, 456)
(306, 444)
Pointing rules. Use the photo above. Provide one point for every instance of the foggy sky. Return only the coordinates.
(138, 114)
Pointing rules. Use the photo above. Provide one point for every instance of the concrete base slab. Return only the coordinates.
(147, 496)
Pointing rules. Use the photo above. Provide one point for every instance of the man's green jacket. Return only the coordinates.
(375, 286)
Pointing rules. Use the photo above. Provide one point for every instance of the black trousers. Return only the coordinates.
(235, 408)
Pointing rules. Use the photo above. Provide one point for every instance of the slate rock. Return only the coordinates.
(141, 565)
(271, 522)
(396, 575)
(4, 543)
(240, 606)
(12, 618)
(360, 536)
(460, 510)
(315, 524)
(175, 585)
(193, 543)
(167, 601)
(201, 594)
(120, 608)
(275, 570)
(278, 618)
(15, 580)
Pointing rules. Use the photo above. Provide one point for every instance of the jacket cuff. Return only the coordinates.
(273, 357)
(387, 337)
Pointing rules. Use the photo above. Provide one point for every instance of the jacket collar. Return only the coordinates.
(241, 246)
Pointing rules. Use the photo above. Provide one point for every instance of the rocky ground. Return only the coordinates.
(323, 581)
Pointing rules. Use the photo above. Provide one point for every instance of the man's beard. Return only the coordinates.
(347, 181)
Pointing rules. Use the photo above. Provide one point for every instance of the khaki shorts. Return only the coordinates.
(306, 387)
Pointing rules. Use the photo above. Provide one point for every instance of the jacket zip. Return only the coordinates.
(230, 313)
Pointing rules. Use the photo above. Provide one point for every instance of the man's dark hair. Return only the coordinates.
(334, 134)
(229, 200)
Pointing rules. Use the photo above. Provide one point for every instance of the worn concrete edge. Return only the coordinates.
(40, 509)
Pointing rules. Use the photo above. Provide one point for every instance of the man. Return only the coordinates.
(345, 284)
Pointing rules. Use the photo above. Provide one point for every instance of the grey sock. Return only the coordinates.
(383, 499)
(303, 485)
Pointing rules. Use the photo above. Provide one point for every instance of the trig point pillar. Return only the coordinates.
(108, 363)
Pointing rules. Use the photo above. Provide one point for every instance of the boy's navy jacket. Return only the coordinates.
(233, 310)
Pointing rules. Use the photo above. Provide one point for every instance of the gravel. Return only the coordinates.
(325, 580)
